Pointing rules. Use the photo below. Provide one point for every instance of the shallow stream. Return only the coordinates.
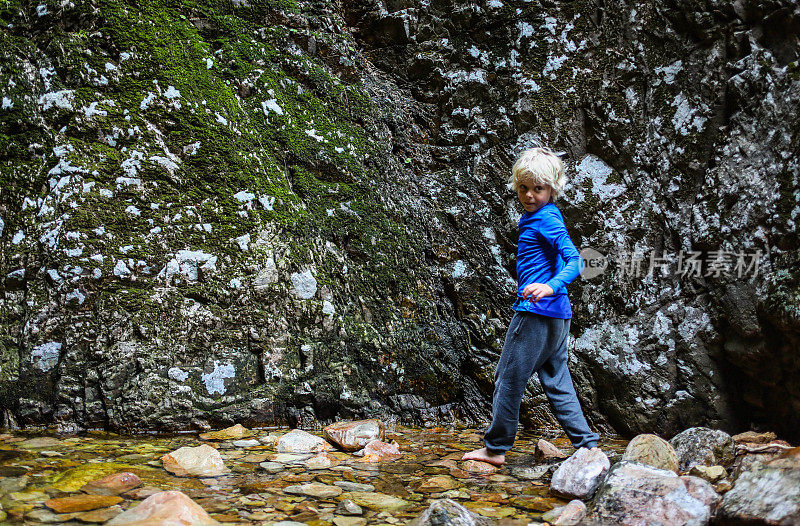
(35, 468)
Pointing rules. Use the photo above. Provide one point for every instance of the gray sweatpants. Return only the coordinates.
(535, 343)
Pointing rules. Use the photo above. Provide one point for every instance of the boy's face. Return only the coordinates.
(533, 195)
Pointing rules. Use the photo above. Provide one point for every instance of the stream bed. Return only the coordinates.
(35, 468)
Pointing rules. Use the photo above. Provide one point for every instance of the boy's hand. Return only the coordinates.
(536, 291)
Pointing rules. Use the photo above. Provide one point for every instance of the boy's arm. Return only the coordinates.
(552, 228)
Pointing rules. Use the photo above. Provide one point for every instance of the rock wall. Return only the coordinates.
(271, 211)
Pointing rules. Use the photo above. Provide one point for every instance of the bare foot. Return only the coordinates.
(483, 455)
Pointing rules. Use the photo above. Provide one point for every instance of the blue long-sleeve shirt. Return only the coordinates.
(546, 254)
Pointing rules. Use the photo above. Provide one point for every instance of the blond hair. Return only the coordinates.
(539, 166)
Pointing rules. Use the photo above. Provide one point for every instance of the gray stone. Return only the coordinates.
(272, 467)
(569, 515)
(348, 507)
(246, 443)
(447, 512)
(640, 495)
(299, 441)
(581, 474)
(767, 493)
(346, 485)
(703, 446)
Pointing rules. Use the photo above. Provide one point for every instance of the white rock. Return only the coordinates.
(299, 441)
(581, 474)
(200, 461)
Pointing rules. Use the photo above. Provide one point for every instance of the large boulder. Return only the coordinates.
(167, 508)
(581, 474)
(200, 461)
(653, 451)
(704, 446)
(767, 493)
(635, 494)
(447, 512)
(352, 436)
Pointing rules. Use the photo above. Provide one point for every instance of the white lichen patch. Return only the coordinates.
(459, 269)
(62, 99)
(305, 285)
(215, 380)
(594, 170)
(243, 241)
(177, 374)
(172, 93)
(667, 73)
(686, 117)
(45, 356)
(271, 105)
(188, 264)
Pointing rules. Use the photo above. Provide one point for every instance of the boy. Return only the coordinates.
(536, 340)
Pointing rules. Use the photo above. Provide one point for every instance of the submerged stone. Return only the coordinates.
(376, 501)
(348, 507)
(112, 484)
(314, 489)
(81, 503)
(437, 484)
(40, 443)
(321, 461)
(246, 443)
(167, 508)
(378, 451)
(546, 451)
(95, 516)
(75, 478)
(569, 515)
(299, 441)
(200, 461)
(347, 485)
(233, 432)
(352, 436)
(447, 512)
